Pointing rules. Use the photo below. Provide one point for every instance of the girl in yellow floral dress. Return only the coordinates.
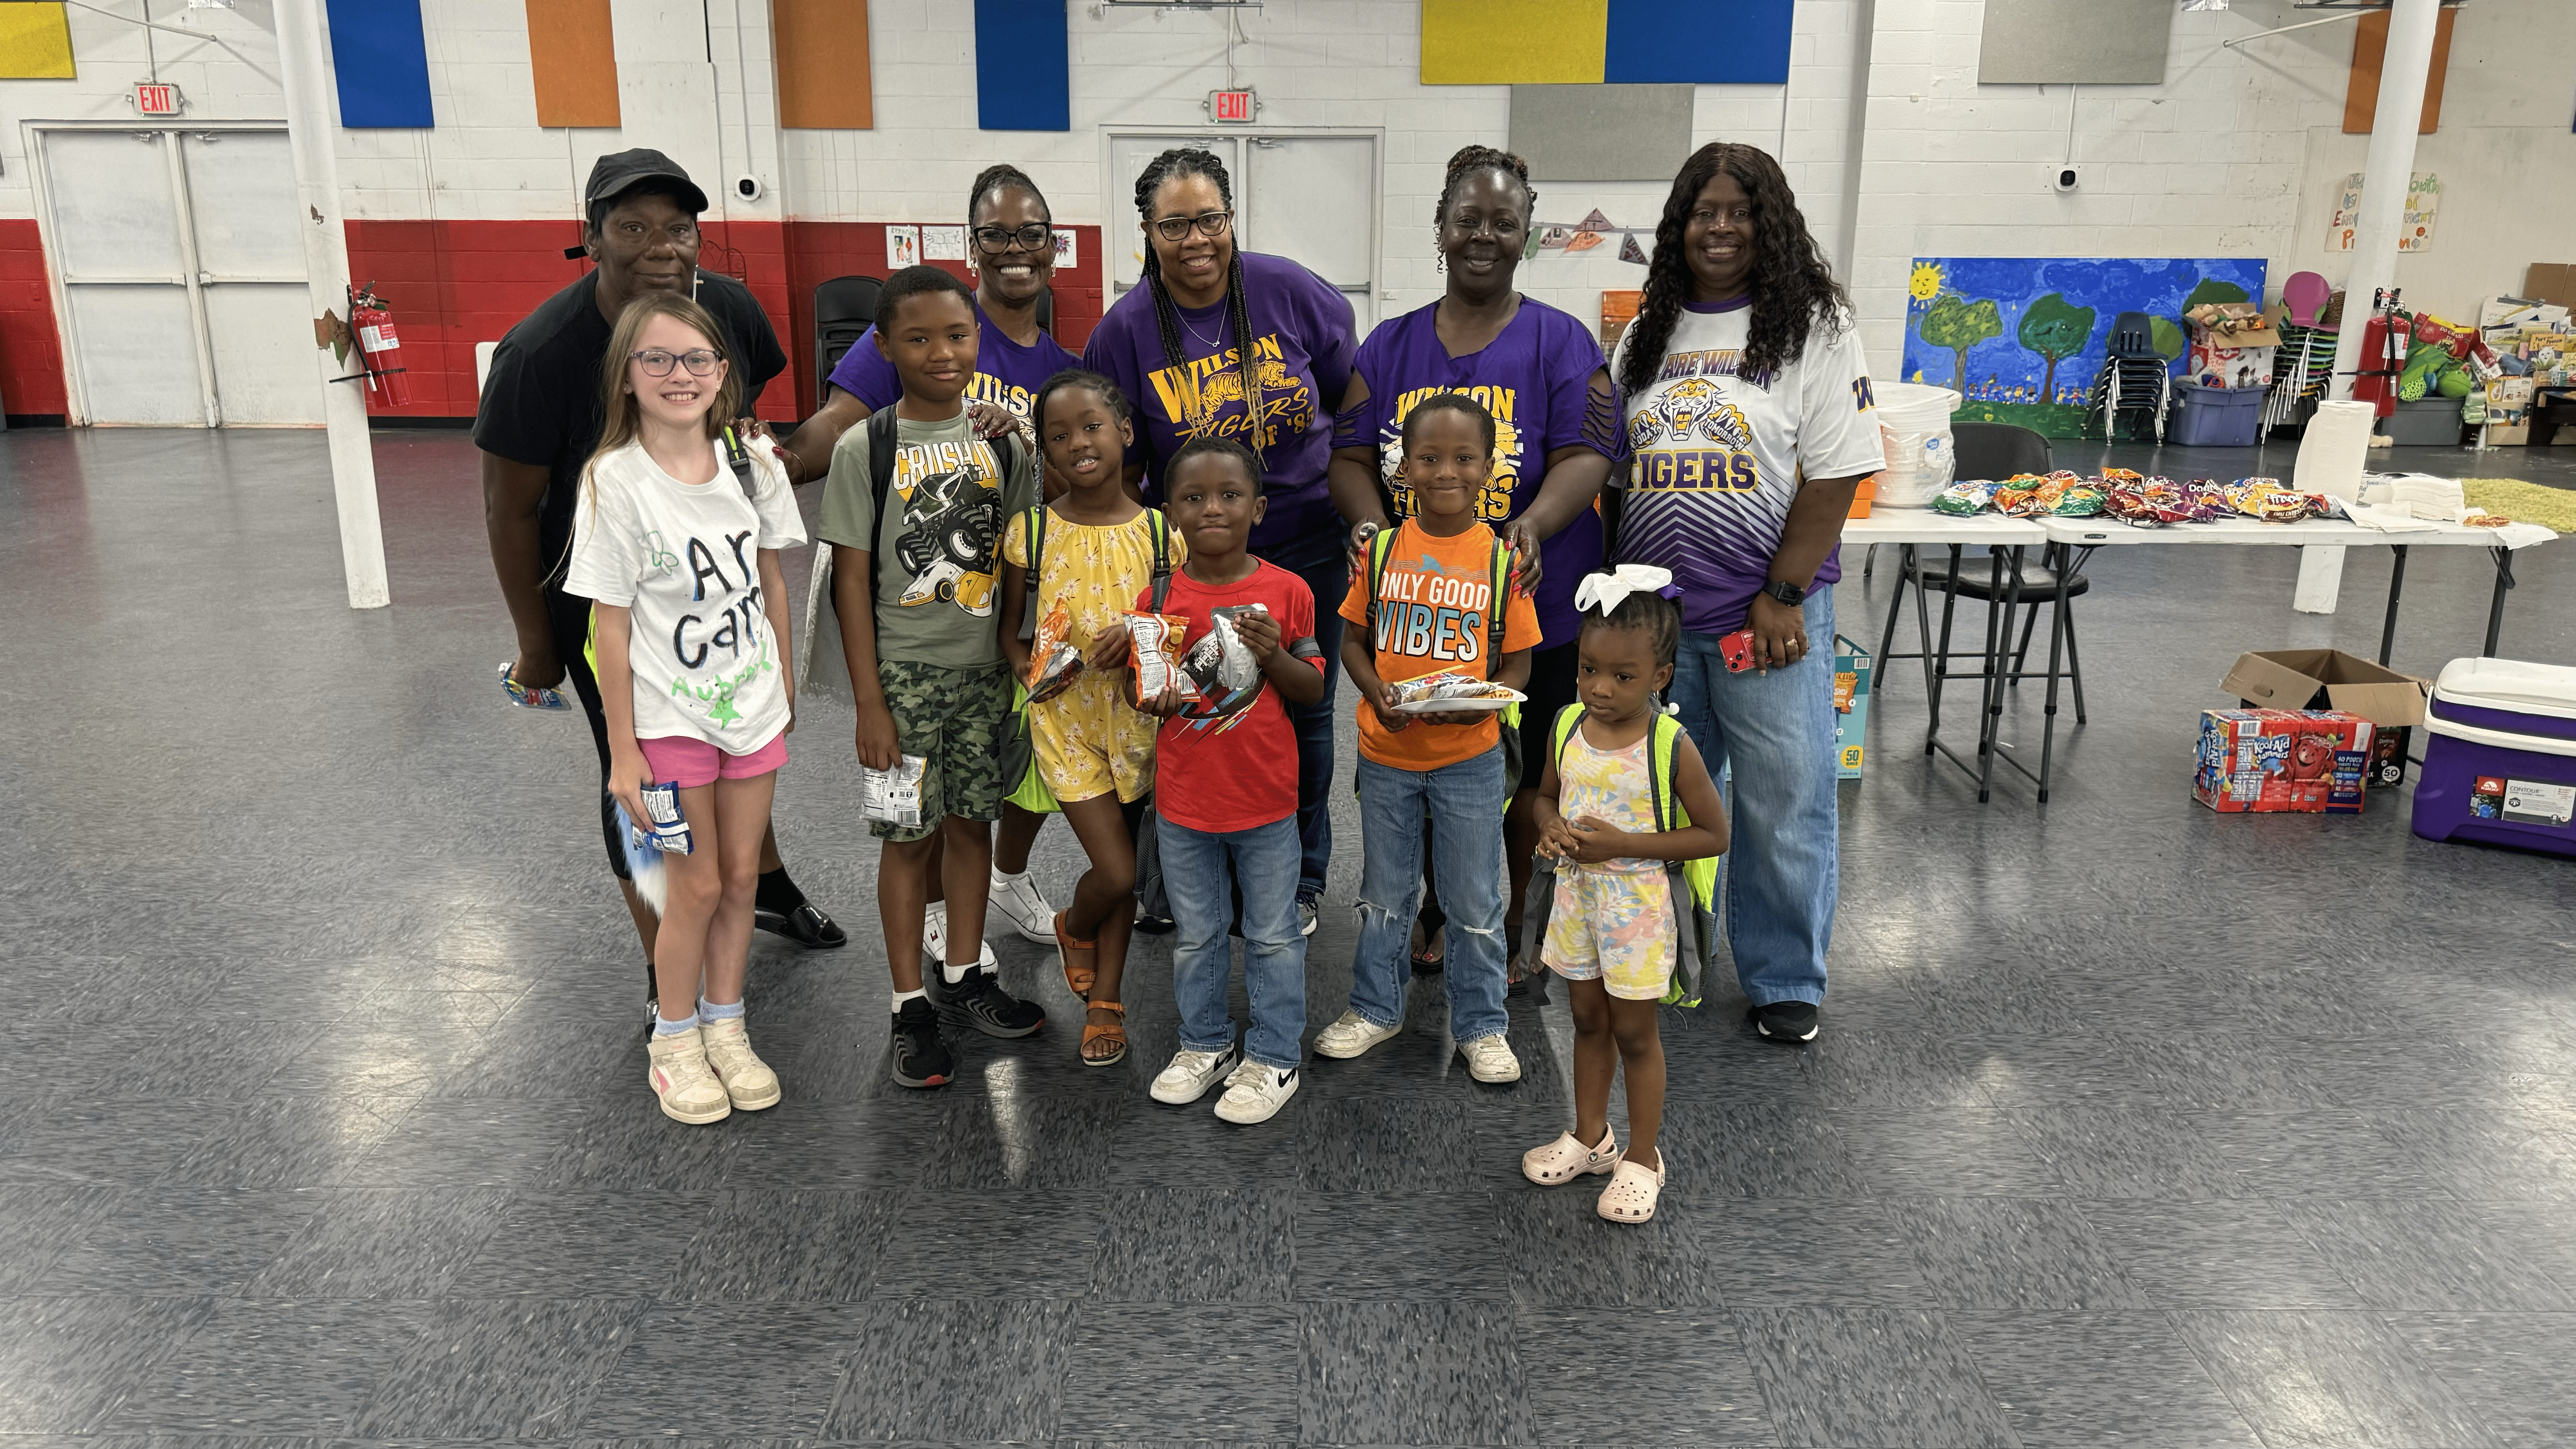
(1611, 928)
(1096, 549)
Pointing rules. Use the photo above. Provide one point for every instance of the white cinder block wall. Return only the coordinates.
(1894, 148)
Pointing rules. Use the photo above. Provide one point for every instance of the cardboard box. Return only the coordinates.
(1851, 707)
(2230, 365)
(2329, 679)
(2265, 760)
(2551, 282)
(2552, 356)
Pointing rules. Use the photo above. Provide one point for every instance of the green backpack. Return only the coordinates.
(1693, 882)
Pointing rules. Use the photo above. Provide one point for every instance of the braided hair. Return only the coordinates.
(1078, 379)
(1185, 161)
(1471, 159)
(1792, 289)
(1003, 176)
(1646, 611)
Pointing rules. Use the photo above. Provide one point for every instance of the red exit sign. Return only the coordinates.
(158, 100)
(1232, 106)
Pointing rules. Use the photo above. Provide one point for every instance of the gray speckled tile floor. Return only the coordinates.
(2130, 1125)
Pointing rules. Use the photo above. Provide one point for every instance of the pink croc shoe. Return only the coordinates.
(1630, 1197)
(1566, 1159)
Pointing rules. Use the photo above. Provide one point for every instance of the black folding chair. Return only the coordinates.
(1988, 451)
(844, 309)
(2135, 378)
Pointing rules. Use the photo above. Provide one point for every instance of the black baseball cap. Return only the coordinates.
(620, 171)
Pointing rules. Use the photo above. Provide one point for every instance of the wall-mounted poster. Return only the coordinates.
(903, 247)
(2414, 225)
(2021, 339)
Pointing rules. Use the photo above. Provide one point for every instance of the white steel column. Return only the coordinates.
(310, 128)
(2385, 177)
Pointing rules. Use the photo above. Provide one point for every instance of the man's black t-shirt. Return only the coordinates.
(541, 404)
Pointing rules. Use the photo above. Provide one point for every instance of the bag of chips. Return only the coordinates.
(1969, 497)
(1053, 661)
(1154, 642)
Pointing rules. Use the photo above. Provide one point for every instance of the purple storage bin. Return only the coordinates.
(2500, 756)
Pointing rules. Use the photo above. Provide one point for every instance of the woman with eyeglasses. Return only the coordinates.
(1557, 432)
(1175, 344)
(1011, 245)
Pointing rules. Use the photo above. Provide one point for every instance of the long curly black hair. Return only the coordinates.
(1793, 290)
(1188, 161)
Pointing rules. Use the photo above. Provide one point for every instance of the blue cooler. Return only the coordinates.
(2500, 759)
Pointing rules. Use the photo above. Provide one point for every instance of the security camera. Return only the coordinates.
(749, 188)
(2067, 178)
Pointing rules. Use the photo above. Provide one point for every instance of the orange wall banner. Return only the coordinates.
(823, 77)
(573, 49)
(2370, 51)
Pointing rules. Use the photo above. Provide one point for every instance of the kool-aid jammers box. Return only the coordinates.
(2314, 760)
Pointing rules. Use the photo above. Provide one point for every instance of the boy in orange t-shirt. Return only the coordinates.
(1426, 596)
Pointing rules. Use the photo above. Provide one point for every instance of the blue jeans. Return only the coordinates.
(1321, 559)
(1466, 804)
(1782, 869)
(1201, 874)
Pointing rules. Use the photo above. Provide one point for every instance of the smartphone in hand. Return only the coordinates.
(1737, 650)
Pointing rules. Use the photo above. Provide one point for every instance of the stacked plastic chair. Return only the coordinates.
(2135, 377)
(2304, 364)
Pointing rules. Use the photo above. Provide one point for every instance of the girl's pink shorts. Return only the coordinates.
(694, 762)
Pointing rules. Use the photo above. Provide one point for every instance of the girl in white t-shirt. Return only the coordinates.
(678, 552)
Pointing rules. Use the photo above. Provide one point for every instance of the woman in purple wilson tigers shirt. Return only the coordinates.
(1175, 345)
(1557, 435)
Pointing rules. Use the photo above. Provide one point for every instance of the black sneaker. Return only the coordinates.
(806, 925)
(1786, 1021)
(1309, 910)
(1153, 925)
(921, 1059)
(980, 1002)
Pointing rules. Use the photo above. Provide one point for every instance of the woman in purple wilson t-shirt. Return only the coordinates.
(1175, 344)
(1558, 433)
(1011, 246)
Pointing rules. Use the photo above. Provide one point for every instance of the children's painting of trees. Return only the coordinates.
(2022, 339)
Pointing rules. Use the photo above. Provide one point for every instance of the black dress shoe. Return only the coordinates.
(806, 925)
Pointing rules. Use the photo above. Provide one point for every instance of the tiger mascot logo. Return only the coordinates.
(1220, 388)
(1688, 405)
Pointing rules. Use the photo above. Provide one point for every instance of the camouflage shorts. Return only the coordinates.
(953, 719)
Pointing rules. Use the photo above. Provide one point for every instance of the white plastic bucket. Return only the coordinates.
(1914, 422)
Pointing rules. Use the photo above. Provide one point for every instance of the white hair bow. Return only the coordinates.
(1604, 591)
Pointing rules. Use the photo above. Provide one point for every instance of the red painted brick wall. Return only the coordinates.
(452, 284)
(31, 352)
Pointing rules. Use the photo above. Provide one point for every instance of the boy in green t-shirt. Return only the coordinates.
(914, 571)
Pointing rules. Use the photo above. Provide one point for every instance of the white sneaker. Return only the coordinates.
(747, 1079)
(682, 1080)
(1490, 1059)
(1029, 913)
(934, 939)
(1255, 1093)
(1191, 1074)
(1352, 1035)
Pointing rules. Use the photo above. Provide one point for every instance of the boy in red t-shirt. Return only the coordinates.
(1225, 787)
(1426, 597)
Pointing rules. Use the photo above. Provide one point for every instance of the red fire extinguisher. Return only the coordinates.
(379, 350)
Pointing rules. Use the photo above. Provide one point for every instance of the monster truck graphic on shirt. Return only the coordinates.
(951, 521)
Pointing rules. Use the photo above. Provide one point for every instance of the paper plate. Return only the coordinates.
(1461, 706)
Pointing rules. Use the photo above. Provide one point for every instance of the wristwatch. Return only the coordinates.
(1787, 593)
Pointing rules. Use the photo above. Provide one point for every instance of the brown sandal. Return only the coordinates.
(1077, 979)
(1115, 1030)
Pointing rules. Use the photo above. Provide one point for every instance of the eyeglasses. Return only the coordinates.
(658, 361)
(1209, 223)
(1030, 238)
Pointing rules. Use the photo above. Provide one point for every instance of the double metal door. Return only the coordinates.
(180, 273)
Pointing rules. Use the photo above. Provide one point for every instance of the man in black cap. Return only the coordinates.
(540, 421)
